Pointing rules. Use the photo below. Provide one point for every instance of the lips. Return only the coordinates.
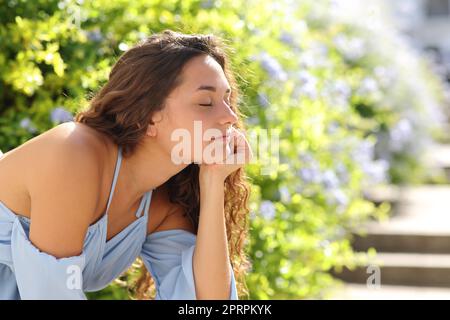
(220, 137)
(226, 135)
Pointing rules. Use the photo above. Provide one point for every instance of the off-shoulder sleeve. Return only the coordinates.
(42, 276)
(168, 256)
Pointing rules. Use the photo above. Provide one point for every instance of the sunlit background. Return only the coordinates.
(358, 204)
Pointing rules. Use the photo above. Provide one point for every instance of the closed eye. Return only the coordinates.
(228, 102)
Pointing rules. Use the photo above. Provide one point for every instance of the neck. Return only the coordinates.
(146, 169)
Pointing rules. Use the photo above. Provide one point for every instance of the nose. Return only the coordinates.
(228, 116)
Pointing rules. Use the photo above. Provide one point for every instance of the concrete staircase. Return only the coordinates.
(413, 246)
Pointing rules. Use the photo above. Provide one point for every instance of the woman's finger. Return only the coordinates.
(243, 153)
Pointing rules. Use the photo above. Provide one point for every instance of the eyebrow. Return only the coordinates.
(211, 88)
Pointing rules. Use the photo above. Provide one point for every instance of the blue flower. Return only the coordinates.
(310, 175)
(368, 86)
(94, 35)
(376, 171)
(285, 194)
(27, 124)
(307, 86)
(337, 93)
(59, 115)
(400, 134)
(330, 180)
(272, 67)
(351, 48)
(287, 38)
(207, 4)
(341, 92)
(337, 197)
(267, 209)
(263, 100)
(364, 152)
(310, 172)
(332, 127)
(253, 120)
(342, 173)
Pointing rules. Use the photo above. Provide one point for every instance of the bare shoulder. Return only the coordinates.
(167, 215)
(63, 189)
(60, 146)
(64, 152)
(25, 160)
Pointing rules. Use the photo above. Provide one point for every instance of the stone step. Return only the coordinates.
(388, 292)
(420, 210)
(413, 245)
(388, 241)
(428, 270)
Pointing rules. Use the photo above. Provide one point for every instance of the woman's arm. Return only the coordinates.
(63, 195)
(212, 271)
(48, 263)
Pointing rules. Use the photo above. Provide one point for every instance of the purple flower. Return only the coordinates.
(59, 115)
(310, 175)
(285, 194)
(263, 100)
(207, 4)
(308, 85)
(267, 209)
(307, 158)
(376, 171)
(337, 197)
(342, 91)
(368, 86)
(330, 179)
(400, 134)
(337, 93)
(364, 152)
(27, 124)
(310, 172)
(342, 173)
(287, 38)
(333, 127)
(272, 67)
(95, 35)
(351, 48)
(253, 120)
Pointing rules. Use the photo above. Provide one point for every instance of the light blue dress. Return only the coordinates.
(28, 273)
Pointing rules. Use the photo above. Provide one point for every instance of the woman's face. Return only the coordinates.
(197, 110)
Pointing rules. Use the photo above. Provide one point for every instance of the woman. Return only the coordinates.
(80, 202)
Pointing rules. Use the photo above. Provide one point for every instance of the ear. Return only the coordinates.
(151, 130)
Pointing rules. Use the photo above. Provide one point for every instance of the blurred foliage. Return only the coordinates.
(353, 106)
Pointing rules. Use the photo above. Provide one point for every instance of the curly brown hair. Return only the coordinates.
(138, 84)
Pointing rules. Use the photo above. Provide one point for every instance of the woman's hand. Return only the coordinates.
(237, 154)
